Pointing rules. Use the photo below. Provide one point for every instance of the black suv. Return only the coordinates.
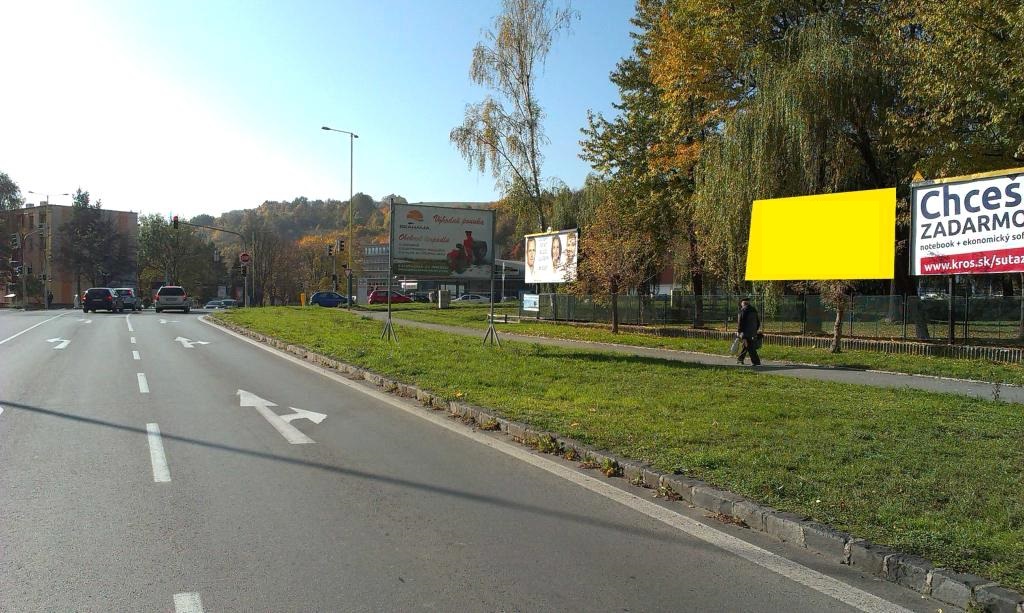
(96, 298)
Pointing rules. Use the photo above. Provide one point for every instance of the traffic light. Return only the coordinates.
(244, 270)
(330, 251)
(175, 221)
(15, 241)
(341, 245)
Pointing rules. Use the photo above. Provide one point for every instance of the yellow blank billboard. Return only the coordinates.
(850, 235)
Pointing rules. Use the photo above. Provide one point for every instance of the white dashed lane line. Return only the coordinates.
(129, 322)
(161, 473)
(143, 384)
(188, 602)
(135, 355)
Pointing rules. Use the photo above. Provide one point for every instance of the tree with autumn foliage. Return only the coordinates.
(615, 252)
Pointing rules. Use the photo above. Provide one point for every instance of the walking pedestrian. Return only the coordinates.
(748, 327)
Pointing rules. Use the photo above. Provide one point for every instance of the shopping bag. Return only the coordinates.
(736, 342)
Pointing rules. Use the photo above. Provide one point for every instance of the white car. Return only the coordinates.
(472, 298)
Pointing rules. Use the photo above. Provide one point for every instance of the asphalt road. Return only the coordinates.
(141, 470)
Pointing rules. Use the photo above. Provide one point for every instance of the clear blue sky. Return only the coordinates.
(207, 106)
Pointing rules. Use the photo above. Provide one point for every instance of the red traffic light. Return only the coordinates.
(175, 220)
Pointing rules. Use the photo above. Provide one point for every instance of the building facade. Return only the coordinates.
(41, 229)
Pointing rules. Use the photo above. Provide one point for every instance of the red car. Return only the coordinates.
(380, 296)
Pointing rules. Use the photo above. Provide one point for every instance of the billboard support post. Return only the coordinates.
(952, 322)
(388, 333)
(491, 337)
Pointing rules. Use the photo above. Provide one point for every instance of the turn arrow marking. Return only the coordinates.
(61, 342)
(281, 423)
(189, 343)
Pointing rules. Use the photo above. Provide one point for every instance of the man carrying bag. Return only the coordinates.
(748, 329)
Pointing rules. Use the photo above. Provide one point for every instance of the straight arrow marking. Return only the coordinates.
(61, 342)
(292, 434)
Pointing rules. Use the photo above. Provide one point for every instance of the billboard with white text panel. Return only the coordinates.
(968, 225)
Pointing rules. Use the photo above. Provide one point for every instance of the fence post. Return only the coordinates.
(853, 302)
(904, 317)
(967, 309)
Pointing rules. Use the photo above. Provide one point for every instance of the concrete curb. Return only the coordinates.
(914, 572)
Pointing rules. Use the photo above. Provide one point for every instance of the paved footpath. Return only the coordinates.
(976, 389)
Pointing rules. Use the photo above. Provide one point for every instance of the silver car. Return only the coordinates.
(128, 297)
(172, 297)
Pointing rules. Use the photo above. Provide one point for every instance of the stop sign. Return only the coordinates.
(244, 257)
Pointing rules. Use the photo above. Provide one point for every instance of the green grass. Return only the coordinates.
(982, 370)
(926, 473)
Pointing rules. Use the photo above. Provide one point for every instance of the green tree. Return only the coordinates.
(964, 84)
(90, 245)
(10, 194)
(181, 256)
(645, 155)
(504, 132)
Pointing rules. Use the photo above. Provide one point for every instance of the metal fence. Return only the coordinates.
(984, 319)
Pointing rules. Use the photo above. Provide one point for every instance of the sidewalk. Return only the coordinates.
(975, 389)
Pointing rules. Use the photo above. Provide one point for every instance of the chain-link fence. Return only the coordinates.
(987, 319)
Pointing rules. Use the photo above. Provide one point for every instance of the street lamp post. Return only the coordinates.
(47, 247)
(351, 243)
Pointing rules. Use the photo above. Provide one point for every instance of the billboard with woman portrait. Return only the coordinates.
(551, 257)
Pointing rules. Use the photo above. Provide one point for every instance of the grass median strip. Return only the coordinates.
(936, 475)
(982, 370)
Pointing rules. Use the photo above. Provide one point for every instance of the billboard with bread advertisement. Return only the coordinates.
(442, 242)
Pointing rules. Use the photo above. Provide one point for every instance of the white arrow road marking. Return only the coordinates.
(188, 343)
(304, 414)
(188, 602)
(161, 473)
(172, 321)
(61, 342)
(281, 423)
(14, 336)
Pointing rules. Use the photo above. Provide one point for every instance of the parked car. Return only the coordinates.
(380, 296)
(228, 303)
(96, 298)
(129, 298)
(471, 298)
(420, 296)
(327, 299)
(213, 304)
(172, 297)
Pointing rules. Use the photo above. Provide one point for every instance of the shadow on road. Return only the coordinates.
(660, 536)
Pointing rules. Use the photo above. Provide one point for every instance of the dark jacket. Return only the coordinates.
(748, 323)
